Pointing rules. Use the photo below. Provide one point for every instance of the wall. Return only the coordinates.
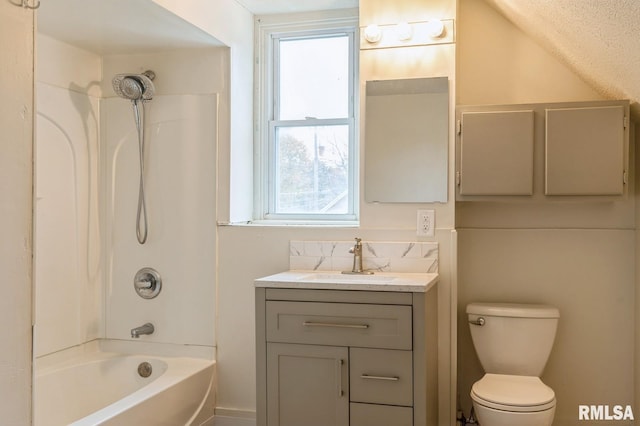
(414, 62)
(578, 256)
(232, 24)
(68, 266)
(248, 252)
(636, 365)
(16, 122)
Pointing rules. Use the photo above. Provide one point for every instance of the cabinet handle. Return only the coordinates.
(388, 378)
(328, 324)
(339, 364)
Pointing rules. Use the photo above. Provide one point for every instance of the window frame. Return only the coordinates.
(269, 31)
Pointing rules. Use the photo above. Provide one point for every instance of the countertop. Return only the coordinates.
(330, 280)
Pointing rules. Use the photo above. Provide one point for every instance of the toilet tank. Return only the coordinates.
(514, 338)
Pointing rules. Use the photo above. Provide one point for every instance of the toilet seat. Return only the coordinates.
(513, 393)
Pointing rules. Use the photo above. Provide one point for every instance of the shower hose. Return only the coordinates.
(141, 217)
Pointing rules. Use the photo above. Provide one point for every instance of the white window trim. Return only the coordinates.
(303, 24)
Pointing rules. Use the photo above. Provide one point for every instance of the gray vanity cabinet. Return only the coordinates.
(346, 358)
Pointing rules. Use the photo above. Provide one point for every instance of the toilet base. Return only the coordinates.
(491, 417)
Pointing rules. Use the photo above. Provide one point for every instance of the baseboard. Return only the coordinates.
(231, 417)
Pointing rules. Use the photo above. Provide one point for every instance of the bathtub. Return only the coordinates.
(101, 385)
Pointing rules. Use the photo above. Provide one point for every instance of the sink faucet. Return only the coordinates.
(143, 329)
(357, 259)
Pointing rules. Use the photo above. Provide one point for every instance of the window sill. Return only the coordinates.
(296, 223)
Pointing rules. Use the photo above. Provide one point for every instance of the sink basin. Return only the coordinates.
(351, 278)
(334, 280)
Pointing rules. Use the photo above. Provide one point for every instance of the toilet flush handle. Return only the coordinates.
(478, 321)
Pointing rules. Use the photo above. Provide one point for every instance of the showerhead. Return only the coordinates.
(134, 87)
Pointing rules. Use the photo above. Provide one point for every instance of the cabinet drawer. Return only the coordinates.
(339, 324)
(380, 376)
(380, 415)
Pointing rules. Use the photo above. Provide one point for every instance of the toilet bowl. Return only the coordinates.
(513, 343)
(508, 400)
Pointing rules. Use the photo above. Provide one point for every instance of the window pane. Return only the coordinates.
(314, 78)
(312, 169)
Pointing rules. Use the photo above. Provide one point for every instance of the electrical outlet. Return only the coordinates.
(426, 223)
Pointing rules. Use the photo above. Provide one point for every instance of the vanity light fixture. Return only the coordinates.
(403, 34)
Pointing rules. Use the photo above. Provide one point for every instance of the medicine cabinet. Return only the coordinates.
(406, 140)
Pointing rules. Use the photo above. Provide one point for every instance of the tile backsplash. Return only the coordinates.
(378, 256)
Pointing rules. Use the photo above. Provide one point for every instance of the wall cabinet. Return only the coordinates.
(346, 358)
(542, 150)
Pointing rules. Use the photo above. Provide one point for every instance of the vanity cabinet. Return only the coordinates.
(346, 358)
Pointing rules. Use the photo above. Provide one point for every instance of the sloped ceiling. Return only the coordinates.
(598, 39)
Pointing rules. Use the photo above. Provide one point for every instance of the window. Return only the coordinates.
(307, 156)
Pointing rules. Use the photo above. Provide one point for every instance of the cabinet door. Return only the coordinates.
(585, 151)
(307, 385)
(496, 153)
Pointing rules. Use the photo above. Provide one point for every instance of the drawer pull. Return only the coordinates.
(388, 378)
(328, 324)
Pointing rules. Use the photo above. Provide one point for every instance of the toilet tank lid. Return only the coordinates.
(516, 310)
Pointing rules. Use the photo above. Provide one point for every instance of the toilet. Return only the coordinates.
(513, 343)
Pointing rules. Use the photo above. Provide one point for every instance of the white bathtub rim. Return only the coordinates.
(182, 361)
(168, 379)
(72, 355)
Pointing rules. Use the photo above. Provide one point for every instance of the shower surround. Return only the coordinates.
(180, 182)
(86, 197)
(87, 176)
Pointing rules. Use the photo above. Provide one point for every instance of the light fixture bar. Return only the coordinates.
(404, 34)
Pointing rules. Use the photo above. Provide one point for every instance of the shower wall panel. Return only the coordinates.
(67, 259)
(180, 191)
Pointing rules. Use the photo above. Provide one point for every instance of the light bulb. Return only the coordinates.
(404, 31)
(435, 28)
(372, 33)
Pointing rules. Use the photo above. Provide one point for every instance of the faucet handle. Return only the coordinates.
(144, 283)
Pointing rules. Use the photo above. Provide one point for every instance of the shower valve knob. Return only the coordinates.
(147, 283)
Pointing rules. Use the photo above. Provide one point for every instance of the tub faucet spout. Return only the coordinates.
(143, 329)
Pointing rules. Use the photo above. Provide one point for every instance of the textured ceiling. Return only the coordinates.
(598, 39)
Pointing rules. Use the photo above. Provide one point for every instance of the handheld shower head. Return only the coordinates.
(134, 87)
